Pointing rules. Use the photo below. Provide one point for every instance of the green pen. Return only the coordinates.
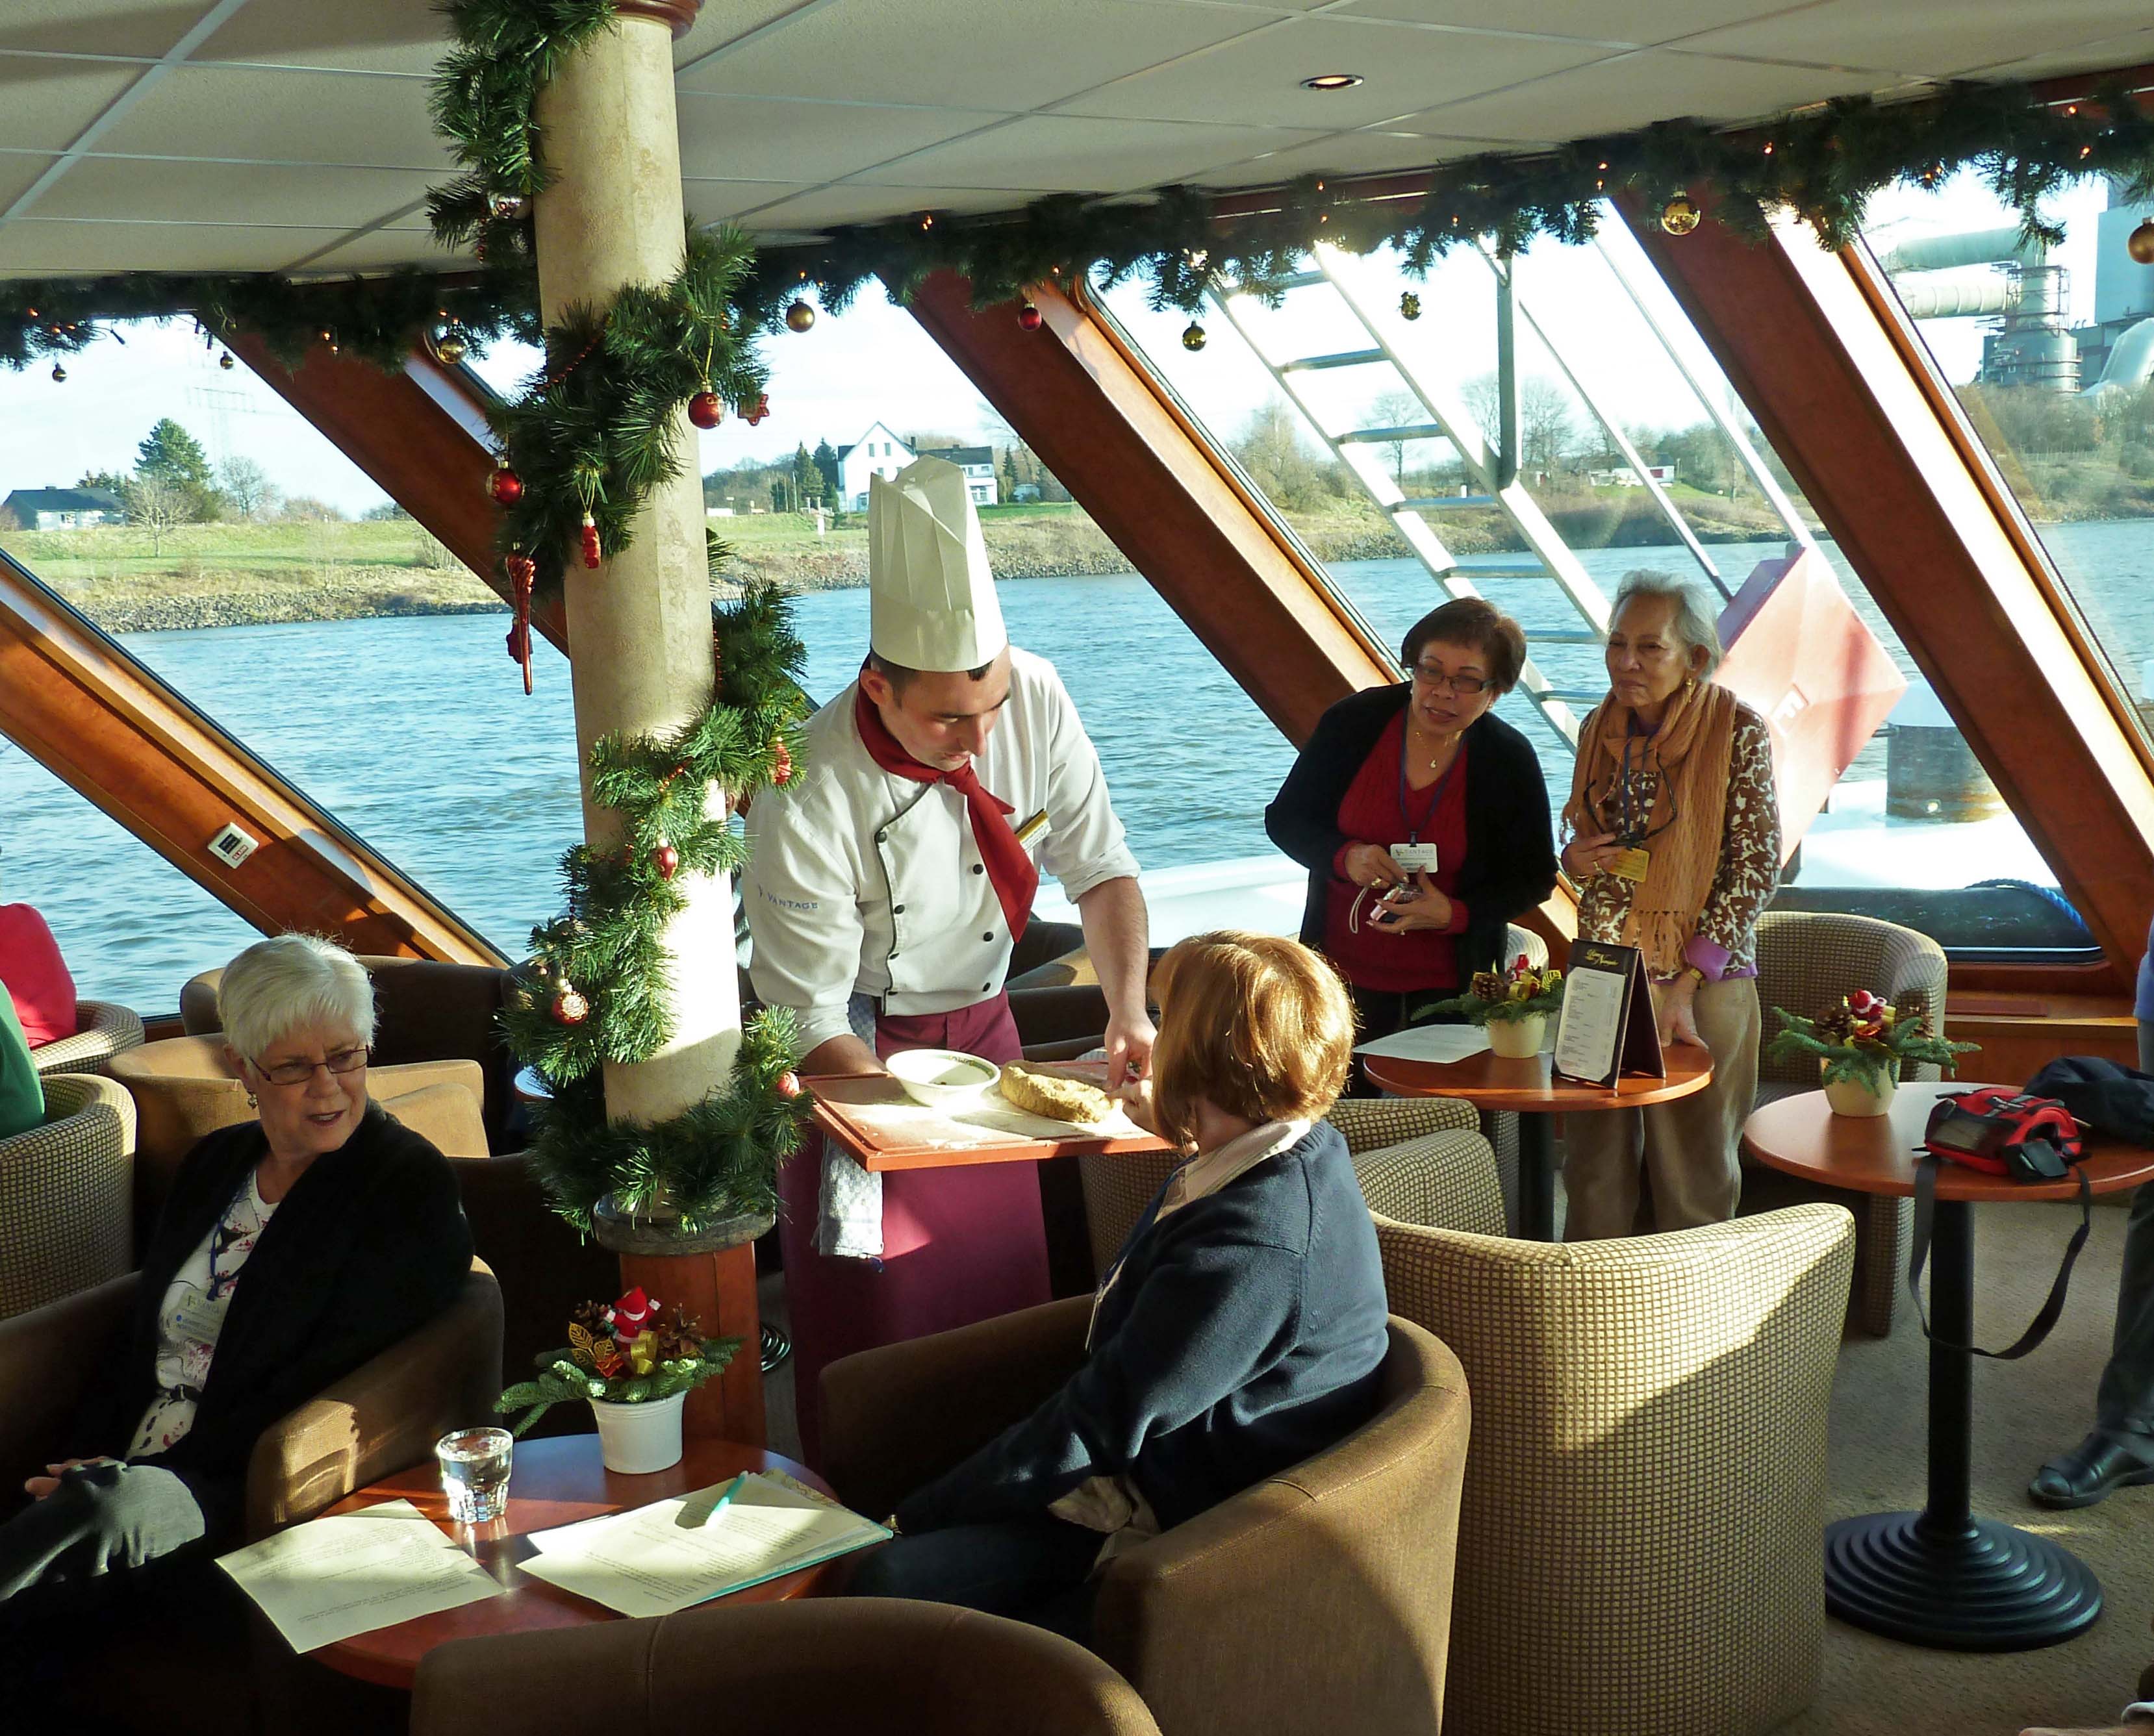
(733, 1489)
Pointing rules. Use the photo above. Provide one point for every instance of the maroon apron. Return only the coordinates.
(959, 1245)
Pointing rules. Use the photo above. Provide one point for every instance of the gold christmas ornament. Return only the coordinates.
(2140, 243)
(1409, 306)
(224, 361)
(1679, 217)
(448, 343)
(59, 374)
(1193, 336)
(799, 316)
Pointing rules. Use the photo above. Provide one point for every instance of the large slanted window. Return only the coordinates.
(1368, 408)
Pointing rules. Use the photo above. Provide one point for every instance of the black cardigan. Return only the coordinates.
(1510, 847)
(368, 1245)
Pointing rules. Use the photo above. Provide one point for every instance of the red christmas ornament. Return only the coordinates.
(781, 765)
(590, 541)
(666, 859)
(759, 409)
(705, 411)
(569, 1007)
(521, 575)
(504, 485)
(1027, 316)
(789, 1085)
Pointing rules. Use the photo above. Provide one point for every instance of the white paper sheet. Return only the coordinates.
(330, 1579)
(1592, 1027)
(1437, 1043)
(653, 1560)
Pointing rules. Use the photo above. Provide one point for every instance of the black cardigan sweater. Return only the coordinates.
(1510, 848)
(369, 1244)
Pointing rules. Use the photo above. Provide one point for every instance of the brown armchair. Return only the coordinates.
(1357, 1543)
(66, 1194)
(779, 1669)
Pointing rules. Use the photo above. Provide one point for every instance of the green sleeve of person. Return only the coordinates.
(22, 1098)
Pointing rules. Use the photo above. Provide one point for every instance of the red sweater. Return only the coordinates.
(1372, 812)
(36, 977)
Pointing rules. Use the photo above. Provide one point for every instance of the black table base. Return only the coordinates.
(1985, 1587)
(1536, 1178)
(1942, 1577)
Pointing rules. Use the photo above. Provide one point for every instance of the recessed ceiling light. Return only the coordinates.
(1332, 81)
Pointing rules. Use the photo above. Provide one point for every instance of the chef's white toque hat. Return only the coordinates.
(932, 602)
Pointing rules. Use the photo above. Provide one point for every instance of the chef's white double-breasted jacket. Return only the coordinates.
(862, 882)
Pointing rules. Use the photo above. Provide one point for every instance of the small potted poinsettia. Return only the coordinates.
(636, 1366)
(1861, 1043)
(1513, 1006)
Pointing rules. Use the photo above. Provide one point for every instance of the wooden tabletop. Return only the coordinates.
(1876, 1154)
(554, 1482)
(1489, 1081)
(839, 1096)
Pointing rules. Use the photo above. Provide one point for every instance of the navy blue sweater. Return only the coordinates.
(1242, 1335)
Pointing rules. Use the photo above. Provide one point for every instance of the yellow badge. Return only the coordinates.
(1631, 863)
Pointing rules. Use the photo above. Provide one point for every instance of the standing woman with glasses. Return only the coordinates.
(1675, 851)
(291, 1248)
(1422, 821)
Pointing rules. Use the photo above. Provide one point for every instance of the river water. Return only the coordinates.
(414, 733)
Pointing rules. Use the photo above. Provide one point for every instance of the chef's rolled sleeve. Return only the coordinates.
(1085, 847)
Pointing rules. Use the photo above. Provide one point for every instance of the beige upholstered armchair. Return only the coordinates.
(1640, 1546)
(67, 1194)
(1807, 960)
(1317, 1600)
(1419, 1159)
(825, 1664)
(103, 1029)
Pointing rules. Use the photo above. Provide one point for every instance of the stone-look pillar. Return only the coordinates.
(640, 625)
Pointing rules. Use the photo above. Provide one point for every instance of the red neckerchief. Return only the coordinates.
(1010, 869)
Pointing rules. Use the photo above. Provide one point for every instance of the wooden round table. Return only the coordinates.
(1940, 1577)
(1490, 1081)
(554, 1482)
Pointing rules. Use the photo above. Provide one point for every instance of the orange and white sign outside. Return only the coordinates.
(1798, 654)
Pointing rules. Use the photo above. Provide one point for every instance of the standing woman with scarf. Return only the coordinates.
(1675, 851)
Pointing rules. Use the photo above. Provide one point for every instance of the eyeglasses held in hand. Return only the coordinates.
(1465, 686)
(291, 1073)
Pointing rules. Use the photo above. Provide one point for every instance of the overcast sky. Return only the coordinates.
(874, 363)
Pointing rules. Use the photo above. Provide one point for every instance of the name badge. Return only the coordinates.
(1631, 863)
(198, 1320)
(1413, 857)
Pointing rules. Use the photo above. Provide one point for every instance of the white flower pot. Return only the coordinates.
(1517, 1039)
(639, 1437)
(1850, 1097)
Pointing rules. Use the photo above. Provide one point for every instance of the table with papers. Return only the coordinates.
(384, 1576)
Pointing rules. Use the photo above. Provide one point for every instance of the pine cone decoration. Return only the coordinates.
(593, 1318)
(1914, 1006)
(1487, 986)
(1835, 1024)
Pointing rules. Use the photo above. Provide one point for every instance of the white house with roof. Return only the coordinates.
(879, 453)
(62, 508)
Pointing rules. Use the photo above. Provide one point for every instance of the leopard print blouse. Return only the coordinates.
(1749, 858)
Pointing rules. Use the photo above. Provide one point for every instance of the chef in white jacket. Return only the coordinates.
(886, 888)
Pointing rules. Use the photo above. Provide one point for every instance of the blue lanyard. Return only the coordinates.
(1628, 834)
(1436, 795)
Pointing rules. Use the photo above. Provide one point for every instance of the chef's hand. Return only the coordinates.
(1674, 1012)
(1421, 906)
(1129, 1038)
(1589, 854)
(1136, 1103)
(1371, 865)
(38, 1488)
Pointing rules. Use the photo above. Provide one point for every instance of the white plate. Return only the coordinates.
(943, 1078)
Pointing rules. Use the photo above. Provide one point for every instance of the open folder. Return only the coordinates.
(653, 1560)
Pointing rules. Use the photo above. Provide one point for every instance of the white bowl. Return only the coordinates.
(943, 1078)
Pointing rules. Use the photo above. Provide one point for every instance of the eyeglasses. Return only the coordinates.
(291, 1073)
(1465, 686)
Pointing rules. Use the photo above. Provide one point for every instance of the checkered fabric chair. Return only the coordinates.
(103, 1028)
(1807, 960)
(1640, 1546)
(67, 1192)
(1419, 1159)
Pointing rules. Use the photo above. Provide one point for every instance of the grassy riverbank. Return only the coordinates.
(232, 574)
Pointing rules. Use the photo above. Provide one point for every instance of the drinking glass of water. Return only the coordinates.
(475, 1473)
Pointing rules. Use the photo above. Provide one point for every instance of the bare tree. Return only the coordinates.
(1397, 410)
(1545, 433)
(160, 503)
(248, 486)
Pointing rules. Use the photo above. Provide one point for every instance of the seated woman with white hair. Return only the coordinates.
(293, 1248)
(1676, 852)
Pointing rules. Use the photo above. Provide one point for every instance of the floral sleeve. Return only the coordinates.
(1750, 852)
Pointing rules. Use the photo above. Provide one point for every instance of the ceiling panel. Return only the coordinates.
(852, 203)
(1257, 79)
(967, 53)
(31, 247)
(289, 117)
(1625, 21)
(148, 28)
(19, 170)
(1070, 154)
(376, 251)
(406, 36)
(1366, 153)
(738, 138)
(724, 23)
(124, 187)
(1934, 40)
(1652, 84)
(45, 104)
(2134, 49)
(712, 202)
